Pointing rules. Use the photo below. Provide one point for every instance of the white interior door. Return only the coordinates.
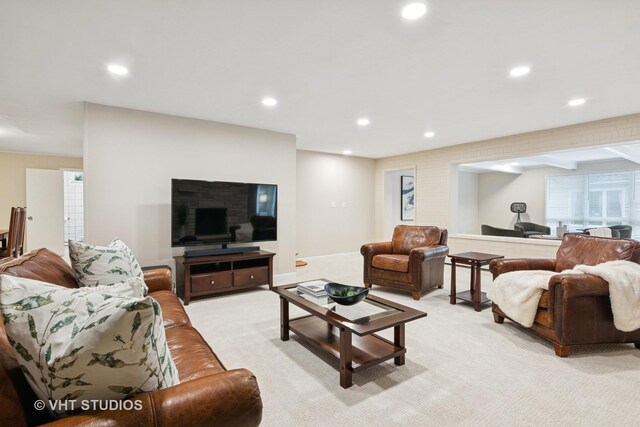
(45, 210)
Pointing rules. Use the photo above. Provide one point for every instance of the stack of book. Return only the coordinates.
(312, 287)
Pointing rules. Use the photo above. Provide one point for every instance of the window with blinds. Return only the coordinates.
(594, 199)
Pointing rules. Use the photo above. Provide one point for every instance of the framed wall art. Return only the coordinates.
(407, 205)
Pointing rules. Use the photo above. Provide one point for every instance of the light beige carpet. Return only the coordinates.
(462, 369)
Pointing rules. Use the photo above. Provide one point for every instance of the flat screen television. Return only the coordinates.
(220, 212)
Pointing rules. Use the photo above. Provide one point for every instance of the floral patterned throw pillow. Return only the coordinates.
(134, 288)
(76, 345)
(103, 265)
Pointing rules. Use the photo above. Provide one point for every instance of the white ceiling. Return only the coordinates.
(328, 63)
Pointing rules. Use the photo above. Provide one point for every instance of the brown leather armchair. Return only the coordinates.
(413, 261)
(576, 309)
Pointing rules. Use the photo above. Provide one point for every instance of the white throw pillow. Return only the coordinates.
(133, 288)
(78, 345)
(103, 265)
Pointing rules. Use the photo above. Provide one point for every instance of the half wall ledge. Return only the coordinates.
(510, 247)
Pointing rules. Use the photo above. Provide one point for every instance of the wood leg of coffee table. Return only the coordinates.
(398, 341)
(346, 357)
(284, 319)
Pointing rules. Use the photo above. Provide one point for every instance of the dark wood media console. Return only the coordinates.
(212, 274)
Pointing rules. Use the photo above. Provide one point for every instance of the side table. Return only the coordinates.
(476, 260)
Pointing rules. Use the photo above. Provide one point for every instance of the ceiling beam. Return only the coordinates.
(489, 167)
(506, 169)
(626, 152)
(551, 160)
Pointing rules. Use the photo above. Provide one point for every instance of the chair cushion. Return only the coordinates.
(544, 299)
(407, 237)
(173, 312)
(533, 233)
(543, 318)
(191, 354)
(398, 263)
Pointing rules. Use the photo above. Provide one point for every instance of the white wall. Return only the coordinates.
(13, 187)
(467, 208)
(393, 201)
(327, 179)
(510, 247)
(130, 157)
(497, 190)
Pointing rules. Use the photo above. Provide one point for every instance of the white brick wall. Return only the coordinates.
(512, 247)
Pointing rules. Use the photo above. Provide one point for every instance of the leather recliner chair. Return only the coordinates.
(624, 231)
(576, 309)
(617, 231)
(413, 261)
(488, 230)
(531, 229)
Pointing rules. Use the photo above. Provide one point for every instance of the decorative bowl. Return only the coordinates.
(344, 294)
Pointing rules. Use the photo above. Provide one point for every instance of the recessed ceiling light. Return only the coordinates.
(414, 11)
(118, 70)
(514, 164)
(576, 102)
(346, 152)
(269, 102)
(363, 121)
(519, 71)
(429, 134)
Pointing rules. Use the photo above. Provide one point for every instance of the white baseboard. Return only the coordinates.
(329, 255)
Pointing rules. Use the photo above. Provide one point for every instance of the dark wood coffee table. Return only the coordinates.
(476, 260)
(347, 332)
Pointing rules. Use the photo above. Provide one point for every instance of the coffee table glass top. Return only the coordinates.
(363, 311)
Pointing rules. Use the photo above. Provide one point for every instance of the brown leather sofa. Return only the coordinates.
(576, 309)
(208, 393)
(413, 261)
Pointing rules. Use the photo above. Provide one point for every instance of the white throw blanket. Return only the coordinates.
(517, 293)
(624, 291)
(600, 232)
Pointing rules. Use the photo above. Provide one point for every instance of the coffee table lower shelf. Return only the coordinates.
(366, 351)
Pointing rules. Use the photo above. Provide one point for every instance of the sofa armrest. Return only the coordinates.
(369, 250)
(230, 398)
(158, 278)
(502, 265)
(428, 252)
